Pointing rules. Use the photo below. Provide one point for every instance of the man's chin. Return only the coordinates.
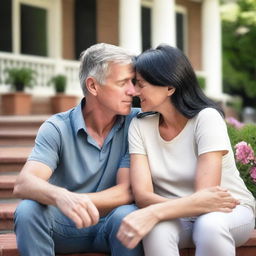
(125, 112)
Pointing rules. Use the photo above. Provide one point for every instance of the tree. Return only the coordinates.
(239, 50)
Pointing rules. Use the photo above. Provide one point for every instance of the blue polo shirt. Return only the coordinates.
(77, 162)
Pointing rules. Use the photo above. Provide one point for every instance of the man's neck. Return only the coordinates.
(98, 122)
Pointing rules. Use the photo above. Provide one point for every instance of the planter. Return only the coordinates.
(62, 102)
(17, 103)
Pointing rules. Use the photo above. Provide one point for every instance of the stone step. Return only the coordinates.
(8, 247)
(13, 158)
(6, 216)
(19, 137)
(6, 186)
(21, 122)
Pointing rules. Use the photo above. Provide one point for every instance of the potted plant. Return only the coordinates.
(18, 102)
(60, 101)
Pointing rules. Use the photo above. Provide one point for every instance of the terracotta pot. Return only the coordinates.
(17, 103)
(62, 102)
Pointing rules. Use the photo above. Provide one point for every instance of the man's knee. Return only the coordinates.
(120, 212)
(28, 211)
(116, 216)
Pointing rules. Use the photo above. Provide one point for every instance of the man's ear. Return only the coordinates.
(171, 90)
(91, 85)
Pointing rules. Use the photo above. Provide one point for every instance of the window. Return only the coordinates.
(146, 27)
(181, 25)
(181, 28)
(6, 25)
(36, 27)
(85, 25)
(33, 30)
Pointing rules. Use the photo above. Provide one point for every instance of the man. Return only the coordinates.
(76, 180)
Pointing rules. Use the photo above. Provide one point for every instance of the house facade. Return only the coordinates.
(49, 35)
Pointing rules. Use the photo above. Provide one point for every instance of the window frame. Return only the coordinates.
(54, 25)
(178, 9)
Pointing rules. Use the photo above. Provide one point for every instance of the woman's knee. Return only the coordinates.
(163, 239)
(210, 227)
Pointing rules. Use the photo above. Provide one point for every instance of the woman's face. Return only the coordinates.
(152, 97)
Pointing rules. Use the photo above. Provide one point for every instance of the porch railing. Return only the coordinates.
(45, 68)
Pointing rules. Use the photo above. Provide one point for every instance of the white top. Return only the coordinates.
(173, 163)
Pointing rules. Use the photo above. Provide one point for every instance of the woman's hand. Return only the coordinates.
(136, 225)
(214, 199)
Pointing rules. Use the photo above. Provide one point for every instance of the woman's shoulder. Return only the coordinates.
(208, 113)
(142, 119)
(147, 117)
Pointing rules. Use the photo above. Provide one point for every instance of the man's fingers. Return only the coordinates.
(83, 214)
(93, 212)
(75, 218)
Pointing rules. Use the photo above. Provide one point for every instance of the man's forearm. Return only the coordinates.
(108, 199)
(34, 188)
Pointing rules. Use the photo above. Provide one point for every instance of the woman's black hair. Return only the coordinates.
(168, 66)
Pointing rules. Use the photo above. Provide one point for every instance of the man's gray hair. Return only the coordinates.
(96, 59)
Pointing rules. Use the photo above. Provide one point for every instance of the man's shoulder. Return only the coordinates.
(60, 120)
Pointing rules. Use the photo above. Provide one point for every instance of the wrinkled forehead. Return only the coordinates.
(119, 70)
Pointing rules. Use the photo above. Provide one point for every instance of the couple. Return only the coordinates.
(80, 182)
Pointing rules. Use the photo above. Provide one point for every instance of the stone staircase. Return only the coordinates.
(17, 136)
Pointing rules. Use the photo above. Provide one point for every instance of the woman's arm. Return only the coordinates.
(208, 171)
(141, 182)
(139, 223)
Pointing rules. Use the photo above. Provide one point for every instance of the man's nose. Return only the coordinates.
(133, 90)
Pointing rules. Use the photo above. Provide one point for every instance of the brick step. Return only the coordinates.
(6, 216)
(20, 137)
(22, 122)
(8, 247)
(6, 186)
(13, 158)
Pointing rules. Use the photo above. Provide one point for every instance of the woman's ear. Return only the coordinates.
(91, 85)
(171, 90)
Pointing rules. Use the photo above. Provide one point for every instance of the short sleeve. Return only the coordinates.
(125, 161)
(47, 146)
(211, 132)
(136, 145)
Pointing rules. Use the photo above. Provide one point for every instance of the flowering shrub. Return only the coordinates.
(243, 141)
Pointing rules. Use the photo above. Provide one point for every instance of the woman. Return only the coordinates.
(180, 148)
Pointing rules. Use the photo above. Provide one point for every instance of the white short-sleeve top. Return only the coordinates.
(173, 163)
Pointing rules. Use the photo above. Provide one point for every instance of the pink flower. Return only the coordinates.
(253, 173)
(234, 122)
(244, 152)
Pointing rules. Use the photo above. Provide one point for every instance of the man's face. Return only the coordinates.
(115, 95)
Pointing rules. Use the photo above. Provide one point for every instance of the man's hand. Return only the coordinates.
(214, 199)
(78, 207)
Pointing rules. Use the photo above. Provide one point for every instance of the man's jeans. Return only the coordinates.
(43, 230)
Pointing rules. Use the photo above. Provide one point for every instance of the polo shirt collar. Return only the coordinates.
(78, 119)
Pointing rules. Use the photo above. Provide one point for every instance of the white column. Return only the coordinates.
(163, 22)
(211, 24)
(130, 25)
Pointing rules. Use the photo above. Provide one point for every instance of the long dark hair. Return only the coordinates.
(168, 66)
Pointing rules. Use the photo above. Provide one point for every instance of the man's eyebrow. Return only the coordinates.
(127, 78)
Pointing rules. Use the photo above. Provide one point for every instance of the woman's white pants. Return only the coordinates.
(213, 234)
